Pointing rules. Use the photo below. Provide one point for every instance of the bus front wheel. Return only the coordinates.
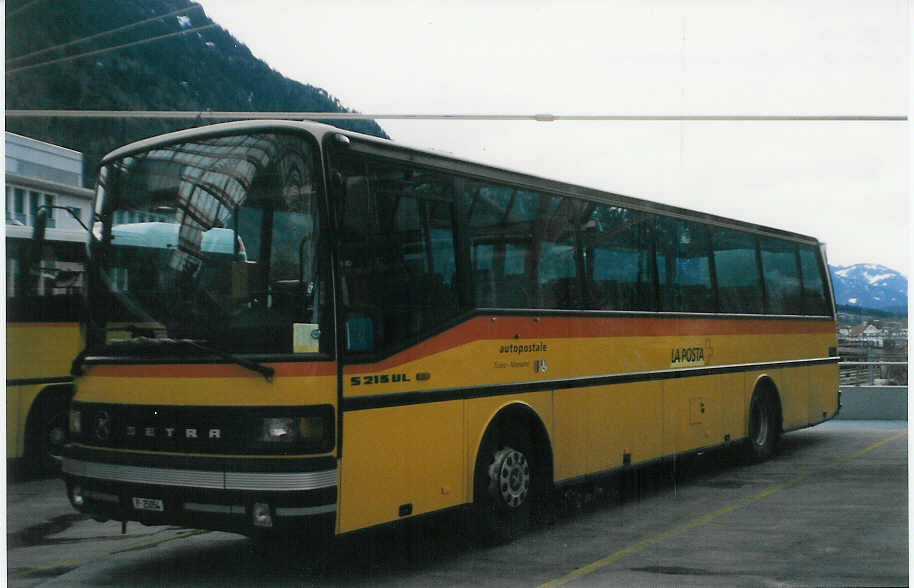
(47, 433)
(504, 483)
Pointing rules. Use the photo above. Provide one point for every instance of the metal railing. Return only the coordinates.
(873, 373)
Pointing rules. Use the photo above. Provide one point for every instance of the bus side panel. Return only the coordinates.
(596, 427)
(15, 421)
(692, 414)
(34, 350)
(20, 400)
(644, 431)
(732, 388)
(41, 350)
(400, 461)
(570, 446)
(794, 388)
(823, 392)
(632, 425)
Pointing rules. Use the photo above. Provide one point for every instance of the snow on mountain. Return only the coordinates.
(870, 285)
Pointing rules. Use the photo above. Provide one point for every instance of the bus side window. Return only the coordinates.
(500, 223)
(557, 266)
(683, 266)
(815, 300)
(739, 280)
(781, 273)
(617, 259)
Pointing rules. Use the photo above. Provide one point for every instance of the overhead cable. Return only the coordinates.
(241, 115)
(99, 35)
(108, 49)
(16, 11)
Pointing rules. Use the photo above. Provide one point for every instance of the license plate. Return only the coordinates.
(148, 504)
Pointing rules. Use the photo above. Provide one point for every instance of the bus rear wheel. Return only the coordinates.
(505, 486)
(764, 428)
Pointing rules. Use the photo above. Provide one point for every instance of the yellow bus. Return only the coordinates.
(43, 299)
(321, 329)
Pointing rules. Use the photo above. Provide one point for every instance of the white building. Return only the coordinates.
(38, 174)
(41, 174)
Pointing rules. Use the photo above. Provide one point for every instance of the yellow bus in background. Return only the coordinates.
(323, 329)
(43, 300)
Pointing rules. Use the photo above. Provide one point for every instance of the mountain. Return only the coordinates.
(872, 286)
(198, 70)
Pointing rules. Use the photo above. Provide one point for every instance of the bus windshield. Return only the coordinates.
(216, 240)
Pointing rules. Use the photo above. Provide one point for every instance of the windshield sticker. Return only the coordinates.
(305, 338)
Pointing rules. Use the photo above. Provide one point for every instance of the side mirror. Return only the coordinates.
(31, 261)
(65, 278)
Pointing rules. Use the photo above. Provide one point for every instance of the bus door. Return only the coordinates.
(398, 292)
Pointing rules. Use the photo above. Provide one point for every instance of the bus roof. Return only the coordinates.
(445, 161)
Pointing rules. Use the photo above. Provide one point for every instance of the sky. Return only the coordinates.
(845, 183)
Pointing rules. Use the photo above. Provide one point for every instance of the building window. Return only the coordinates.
(49, 203)
(34, 202)
(19, 205)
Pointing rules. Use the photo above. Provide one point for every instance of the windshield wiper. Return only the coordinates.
(264, 370)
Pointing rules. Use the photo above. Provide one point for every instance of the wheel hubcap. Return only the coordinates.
(56, 435)
(510, 475)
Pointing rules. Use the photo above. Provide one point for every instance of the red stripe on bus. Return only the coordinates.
(501, 329)
(547, 328)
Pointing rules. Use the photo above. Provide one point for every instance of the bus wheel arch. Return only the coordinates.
(512, 472)
(46, 429)
(764, 423)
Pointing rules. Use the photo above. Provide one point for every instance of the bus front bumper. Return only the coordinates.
(280, 494)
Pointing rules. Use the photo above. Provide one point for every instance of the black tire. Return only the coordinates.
(505, 485)
(47, 433)
(764, 427)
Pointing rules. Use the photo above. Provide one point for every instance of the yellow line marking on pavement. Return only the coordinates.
(75, 563)
(645, 543)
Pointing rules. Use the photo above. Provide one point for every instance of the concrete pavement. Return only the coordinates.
(829, 509)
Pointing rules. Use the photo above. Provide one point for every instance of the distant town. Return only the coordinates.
(871, 338)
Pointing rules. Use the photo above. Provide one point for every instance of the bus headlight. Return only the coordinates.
(278, 430)
(76, 496)
(76, 422)
(307, 432)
